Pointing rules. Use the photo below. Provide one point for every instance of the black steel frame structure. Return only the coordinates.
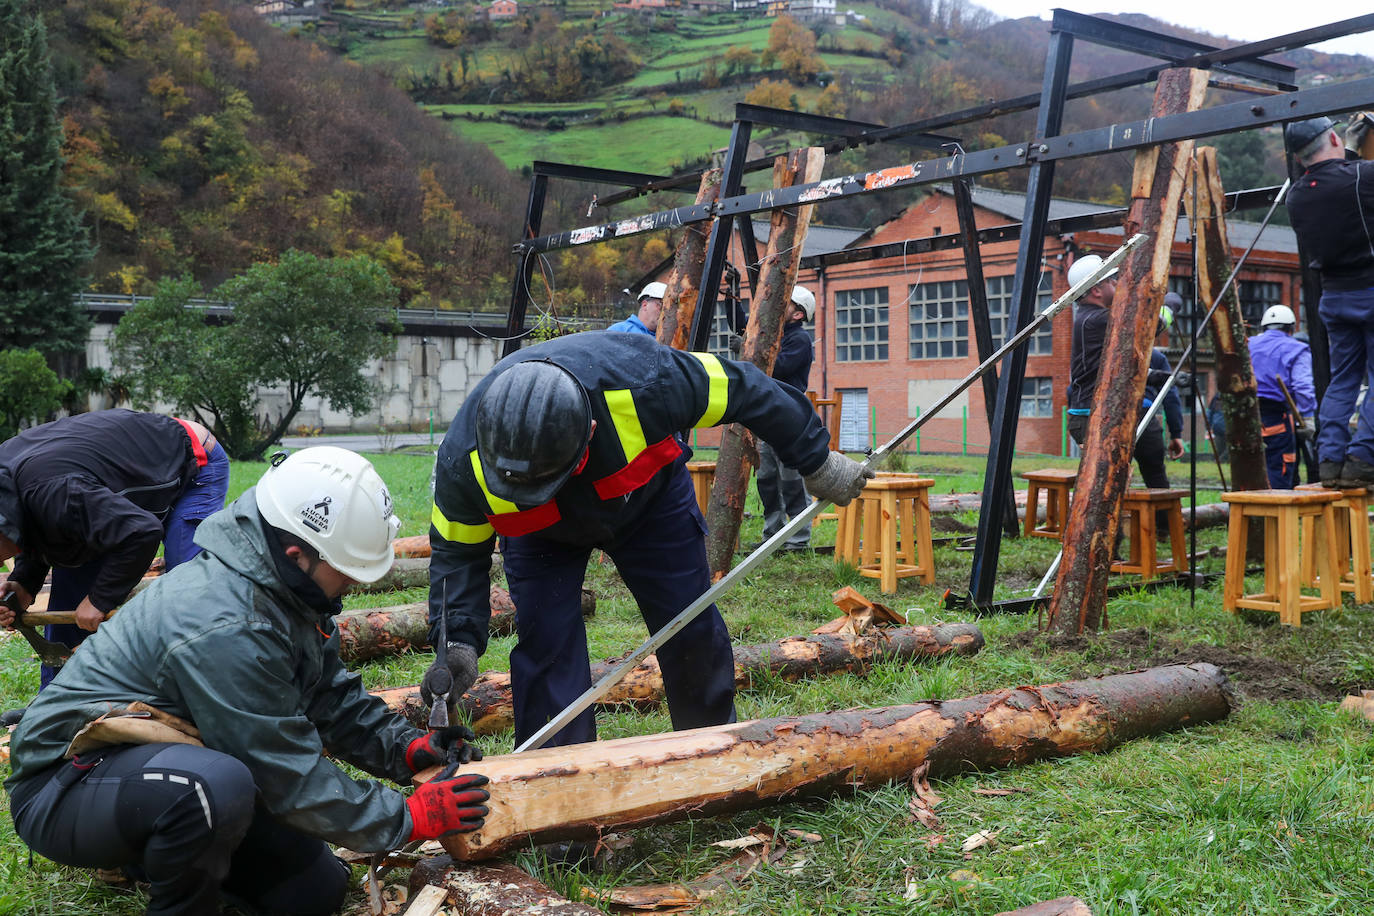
(1280, 102)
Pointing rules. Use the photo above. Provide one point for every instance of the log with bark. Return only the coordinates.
(493, 890)
(487, 705)
(1080, 592)
(406, 572)
(374, 632)
(680, 299)
(582, 791)
(416, 545)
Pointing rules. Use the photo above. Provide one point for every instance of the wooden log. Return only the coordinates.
(374, 632)
(680, 300)
(1235, 376)
(488, 704)
(406, 572)
(1080, 592)
(762, 340)
(581, 791)
(414, 546)
(501, 889)
(1060, 906)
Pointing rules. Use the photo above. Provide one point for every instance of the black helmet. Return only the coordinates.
(533, 423)
(1301, 133)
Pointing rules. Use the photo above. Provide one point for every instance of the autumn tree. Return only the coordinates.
(304, 325)
(792, 49)
(43, 246)
(772, 94)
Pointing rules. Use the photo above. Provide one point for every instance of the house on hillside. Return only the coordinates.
(738, 5)
(893, 335)
(503, 9)
(806, 10)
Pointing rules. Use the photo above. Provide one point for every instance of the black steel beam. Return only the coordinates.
(520, 288)
(732, 174)
(1252, 199)
(982, 324)
(1128, 135)
(750, 246)
(594, 175)
(1026, 283)
(1155, 44)
(819, 124)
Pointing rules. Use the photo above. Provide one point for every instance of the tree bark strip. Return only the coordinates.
(1235, 375)
(582, 791)
(374, 632)
(762, 339)
(1080, 592)
(680, 301)
(487, 705)
(501, 889)
(1060, 906)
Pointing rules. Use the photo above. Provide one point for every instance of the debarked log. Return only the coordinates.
(374, 632)
(581, 791)
(487, 705)
(500, 889)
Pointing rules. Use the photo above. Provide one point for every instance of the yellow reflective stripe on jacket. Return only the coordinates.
(718, 395)
(458, 532)
(621, 404)
(498, 505)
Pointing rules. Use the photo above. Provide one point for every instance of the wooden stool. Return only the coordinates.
(1282, 511)
(1056, 484)
(1140, 505)
(703, 475)
(1352, 544)
(887, 530)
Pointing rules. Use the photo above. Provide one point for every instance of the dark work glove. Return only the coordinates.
(1304, 433)
(1355, 133)
(449, 803)
(1184, 380)
(462, 665)
(1157, 378)
(443, 745)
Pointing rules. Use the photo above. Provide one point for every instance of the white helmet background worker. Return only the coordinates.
(645, 320)
(781, 488)
(1275, 354)
(238, 649)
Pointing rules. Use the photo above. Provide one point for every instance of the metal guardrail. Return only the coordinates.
(118, 302)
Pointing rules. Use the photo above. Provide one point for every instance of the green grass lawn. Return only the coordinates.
(1268, 812)
(653, 144)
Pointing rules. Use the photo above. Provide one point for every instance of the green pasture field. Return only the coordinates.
(1268, 812)
(648, 144)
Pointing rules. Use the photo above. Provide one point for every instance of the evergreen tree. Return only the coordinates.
(43, 245)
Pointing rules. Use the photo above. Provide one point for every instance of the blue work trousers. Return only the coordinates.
(783, 494)
(663, 562)
(1349, 319)
(203, 497)
(1280, 445)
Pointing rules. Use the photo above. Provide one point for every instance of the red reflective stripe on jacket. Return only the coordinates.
(526, 521)
(197, 446)
(639, 471)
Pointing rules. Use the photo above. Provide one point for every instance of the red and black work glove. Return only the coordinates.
(441, 746)
(449, 803)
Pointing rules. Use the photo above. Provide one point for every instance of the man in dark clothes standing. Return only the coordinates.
(1332, 209)
(569, 445)
(781, 489)
(91, 497)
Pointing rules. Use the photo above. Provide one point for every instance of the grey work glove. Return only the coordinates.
(839, 480)
(462, 665)
(1355, 133)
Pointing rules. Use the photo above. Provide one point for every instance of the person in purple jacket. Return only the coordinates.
(1276, 355)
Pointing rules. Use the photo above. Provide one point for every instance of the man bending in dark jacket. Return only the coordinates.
(91, 497)
(186, 740)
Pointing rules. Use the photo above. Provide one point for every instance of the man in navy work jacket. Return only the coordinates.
(569, 445)
(781, 489)
(1275, 354)
(1332, 209)
(91, 497)
(186, 741)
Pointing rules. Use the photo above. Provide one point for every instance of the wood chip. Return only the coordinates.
(998, 792)
(923, 799)
(428, 902)
(978, 840)
(1361, 705)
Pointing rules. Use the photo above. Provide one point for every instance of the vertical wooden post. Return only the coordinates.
(1080, 592)
(762, 339)
(680, 301)
(1235, 376)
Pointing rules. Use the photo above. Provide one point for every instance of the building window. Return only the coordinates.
(719, 343)
(1256, 297)
(861, 325)
(1037, 397)
(1000, 311)
(939, 320)
(854, 433)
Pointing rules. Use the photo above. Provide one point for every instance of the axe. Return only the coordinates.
(50, 653)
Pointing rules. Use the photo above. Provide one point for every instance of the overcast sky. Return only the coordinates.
(1240, 20)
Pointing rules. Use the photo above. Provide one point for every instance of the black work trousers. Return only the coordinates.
(185, 819)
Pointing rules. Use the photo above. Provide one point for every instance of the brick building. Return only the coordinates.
(893, 335)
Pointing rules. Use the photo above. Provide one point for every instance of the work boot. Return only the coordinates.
(1356, 473)
(11, 717)
(1329, 472)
